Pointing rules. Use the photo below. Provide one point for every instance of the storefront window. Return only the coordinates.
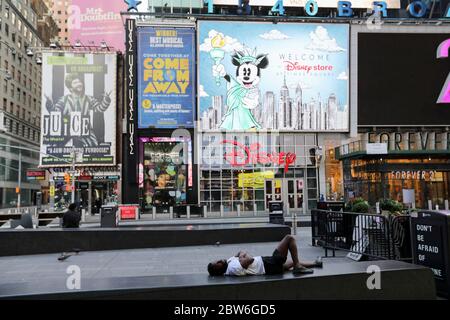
(248, 174)
(376, 179)
(165, 172)
(334, 178)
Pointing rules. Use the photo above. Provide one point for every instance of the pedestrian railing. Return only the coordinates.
(371, 235)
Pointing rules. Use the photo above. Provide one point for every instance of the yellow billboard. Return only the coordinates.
(254, 180)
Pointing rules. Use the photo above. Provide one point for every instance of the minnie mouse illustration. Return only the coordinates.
(242, 91)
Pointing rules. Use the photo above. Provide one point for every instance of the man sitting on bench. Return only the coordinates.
(71, 219)
(244, 264)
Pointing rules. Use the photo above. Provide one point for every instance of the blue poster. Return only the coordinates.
(265, 76)
(166, 77)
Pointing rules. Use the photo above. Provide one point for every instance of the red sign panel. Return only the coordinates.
(84, 178)
(35, 174)
(128, 212)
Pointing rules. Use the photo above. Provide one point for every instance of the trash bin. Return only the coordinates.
(430, 242)
(109, 216)
(276, 214)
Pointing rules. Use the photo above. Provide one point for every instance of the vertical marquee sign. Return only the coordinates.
(130, 155)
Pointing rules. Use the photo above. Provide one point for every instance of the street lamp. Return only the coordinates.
(13, 51)
(30, 53)
(75, 154)
(103, 45)
(54, 45)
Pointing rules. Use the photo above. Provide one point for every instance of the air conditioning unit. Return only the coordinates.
(2, 122)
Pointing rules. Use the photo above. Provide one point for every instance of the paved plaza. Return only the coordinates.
(143, 262)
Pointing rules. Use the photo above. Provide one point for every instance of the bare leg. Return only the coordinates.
(308, 264)
(288, 244)
(288, 265)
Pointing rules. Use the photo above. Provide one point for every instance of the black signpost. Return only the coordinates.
(430, 239)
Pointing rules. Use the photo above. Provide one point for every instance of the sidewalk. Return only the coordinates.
(143, 262)
(164, 219)
(303, 220)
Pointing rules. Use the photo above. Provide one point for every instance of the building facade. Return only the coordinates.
(20, 97)
(47, 27)
(79, 132)
(59, 12)
(236, 171)
(402, 150)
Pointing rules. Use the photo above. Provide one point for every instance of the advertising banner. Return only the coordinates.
(269, 76)
(36, 174)
(412, 87)
(78, 109)
(92, 22)
(254, 180)
(166, 77)
(391, 4)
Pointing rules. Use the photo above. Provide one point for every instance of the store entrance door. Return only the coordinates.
(290, 191)
(273, 191)
(294, 194)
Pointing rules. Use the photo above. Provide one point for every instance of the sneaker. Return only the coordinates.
(301, 270)
(318, 263)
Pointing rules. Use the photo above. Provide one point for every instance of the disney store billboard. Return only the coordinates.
(286, 77)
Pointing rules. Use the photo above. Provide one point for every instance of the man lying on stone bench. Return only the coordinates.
(244, 264)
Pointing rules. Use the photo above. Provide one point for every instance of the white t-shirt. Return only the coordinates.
(235, 268)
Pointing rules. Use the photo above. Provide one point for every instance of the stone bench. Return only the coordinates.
(47, 217)
(9, 216)
(56, 240)
(399, 280)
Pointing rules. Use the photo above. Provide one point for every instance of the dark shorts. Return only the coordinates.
(274, 263)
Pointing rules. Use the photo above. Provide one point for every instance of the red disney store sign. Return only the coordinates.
(243, 155)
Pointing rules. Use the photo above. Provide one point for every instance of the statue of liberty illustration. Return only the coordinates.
(242, 90)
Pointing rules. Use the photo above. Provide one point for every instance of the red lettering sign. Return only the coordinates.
(127, 212)
(243, 155)
(35, 174)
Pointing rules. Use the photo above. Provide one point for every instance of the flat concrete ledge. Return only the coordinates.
(54, 240)
(399, 280)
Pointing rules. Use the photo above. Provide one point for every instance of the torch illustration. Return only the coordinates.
(217, 53)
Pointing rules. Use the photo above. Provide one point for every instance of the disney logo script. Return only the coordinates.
(243, 155)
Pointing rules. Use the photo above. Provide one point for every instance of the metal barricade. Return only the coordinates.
(371, 235)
